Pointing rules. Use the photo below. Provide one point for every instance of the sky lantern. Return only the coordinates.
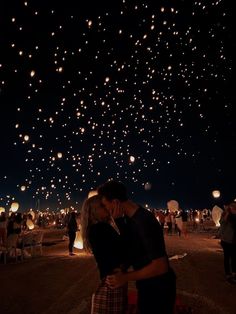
(173, 205)
(23, 188)
(59, 155)
(14, 207)
(132, 159)
(216, 193)
(29, 224)
(147, 186)
(26, 138)
(2, 210)
(92, 193)
(78, 244)
(216, 215)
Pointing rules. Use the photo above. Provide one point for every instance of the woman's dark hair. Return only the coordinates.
(113, 190)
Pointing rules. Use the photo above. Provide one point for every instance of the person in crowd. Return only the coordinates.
(184, 215)
(161, 218)
(3, 228)
(178, 222)
(155, 280)
(227, 234)
(10, 224)
(101, 237)
(71, 229)
(17, 224)
(169, 222)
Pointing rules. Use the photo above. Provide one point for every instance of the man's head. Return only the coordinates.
(113, 194)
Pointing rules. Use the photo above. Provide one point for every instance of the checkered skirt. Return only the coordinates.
(107, 301)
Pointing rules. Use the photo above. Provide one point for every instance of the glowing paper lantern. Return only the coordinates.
(59, 155)
(78, 244)
(216, 215)
(216, 193)
(132, 159)
(26, 138)
(23, 188)
(2, 210)
(29, 224)
(173, 205)
(14, 207)
(92, 193)
(147, 186)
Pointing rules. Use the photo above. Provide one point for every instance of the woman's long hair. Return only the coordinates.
(88, 218)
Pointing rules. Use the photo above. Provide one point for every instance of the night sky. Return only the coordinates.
(139, 91)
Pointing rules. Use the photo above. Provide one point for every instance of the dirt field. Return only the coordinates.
(57, 283)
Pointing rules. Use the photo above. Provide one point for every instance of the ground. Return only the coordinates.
(63, 284)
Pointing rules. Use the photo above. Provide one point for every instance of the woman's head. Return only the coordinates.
(92, 212)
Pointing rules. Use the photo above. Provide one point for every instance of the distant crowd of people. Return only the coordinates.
(128, 243)
(14, 224)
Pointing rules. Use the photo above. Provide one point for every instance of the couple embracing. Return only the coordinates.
(121, 235)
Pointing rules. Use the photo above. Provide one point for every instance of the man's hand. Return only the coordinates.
(117, 280)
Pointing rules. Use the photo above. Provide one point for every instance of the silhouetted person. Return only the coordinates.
(71, 229)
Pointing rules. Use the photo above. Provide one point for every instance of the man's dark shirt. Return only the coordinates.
(144, 239)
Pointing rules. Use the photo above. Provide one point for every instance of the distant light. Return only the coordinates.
(132, 159)
(147, 186)
(59, 155)
(32, 73)
(216, 193)
(26, 138)
(23, 188)
(14, 207)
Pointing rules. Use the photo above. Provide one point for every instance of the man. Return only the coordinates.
(155, 280)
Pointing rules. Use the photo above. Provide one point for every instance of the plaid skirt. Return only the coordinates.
(107, 301)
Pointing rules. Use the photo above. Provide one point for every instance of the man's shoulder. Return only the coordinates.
(143, 214)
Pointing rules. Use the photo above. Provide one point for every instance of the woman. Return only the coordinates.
(101, 237)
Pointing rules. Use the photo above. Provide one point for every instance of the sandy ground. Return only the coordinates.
(57, 283)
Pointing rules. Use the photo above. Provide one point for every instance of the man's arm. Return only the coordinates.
(157, 267)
